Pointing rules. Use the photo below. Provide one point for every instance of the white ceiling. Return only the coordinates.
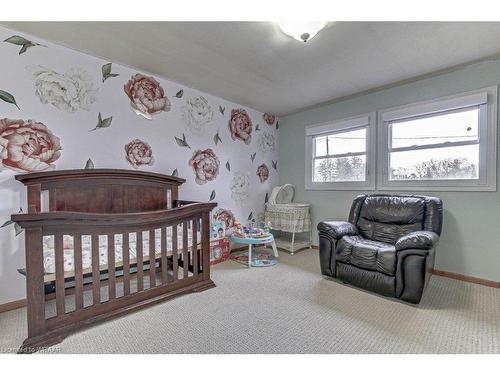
(253, 64)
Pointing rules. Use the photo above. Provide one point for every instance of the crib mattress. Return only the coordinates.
(49, 249)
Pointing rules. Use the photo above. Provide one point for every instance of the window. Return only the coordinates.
(340, 154)
(445, 144)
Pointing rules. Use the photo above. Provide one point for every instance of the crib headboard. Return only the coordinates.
(100, 191)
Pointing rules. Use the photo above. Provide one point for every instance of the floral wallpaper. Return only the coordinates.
(27, 146)
(146, 95)
(69, 92)
(61, 109)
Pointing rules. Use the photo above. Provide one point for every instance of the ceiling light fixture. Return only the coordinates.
(301, 31)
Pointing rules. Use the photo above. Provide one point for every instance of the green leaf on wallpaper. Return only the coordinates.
(222, 110)
(8, 222)
(250, 217)
(217, 138)
(25, 47)
(8, 97)
(266, 198)
(275, 164)
(179, 94)
(106, 123)
(175, 173)
(106, 72)
(18, 229)
(228, 166)
(17, 40)
(257, 128)
(20, 41)
(182, 141)
(212, 195)
(252, 157)
(89, 164)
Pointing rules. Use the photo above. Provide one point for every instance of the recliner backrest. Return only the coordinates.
(386, 218)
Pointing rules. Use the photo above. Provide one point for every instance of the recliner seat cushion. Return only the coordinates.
(368, 254)
(387, 218)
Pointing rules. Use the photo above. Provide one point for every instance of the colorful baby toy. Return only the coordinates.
(252, 232)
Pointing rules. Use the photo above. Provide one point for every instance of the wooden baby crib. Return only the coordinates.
(103, 215)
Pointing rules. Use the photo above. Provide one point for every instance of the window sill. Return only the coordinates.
(404, 188)
(340, 188)
(442, 188)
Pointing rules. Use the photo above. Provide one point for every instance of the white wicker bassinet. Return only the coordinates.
(287, 216)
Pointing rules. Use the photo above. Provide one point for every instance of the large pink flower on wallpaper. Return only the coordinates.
(27, 146)
(205, 165)
(146, 95)
(263, 172)
(227, 217)
(139, 153)
(240, 126)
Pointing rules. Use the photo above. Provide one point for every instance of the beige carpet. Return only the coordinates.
(291, 308)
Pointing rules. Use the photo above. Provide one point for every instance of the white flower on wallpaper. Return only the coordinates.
(267, 142)
(197, 112)
(240, 187)
(69, 92)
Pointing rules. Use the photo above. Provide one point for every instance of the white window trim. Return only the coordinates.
(336, 125)
(486, 97)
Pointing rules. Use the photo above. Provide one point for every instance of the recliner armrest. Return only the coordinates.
(423, 239)
(337, 229)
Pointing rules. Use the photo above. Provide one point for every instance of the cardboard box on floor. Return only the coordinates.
(220, 250)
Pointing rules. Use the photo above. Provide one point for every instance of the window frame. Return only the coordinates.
(312, 131)
(485, 99)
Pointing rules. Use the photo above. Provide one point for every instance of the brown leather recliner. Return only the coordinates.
(387, 245)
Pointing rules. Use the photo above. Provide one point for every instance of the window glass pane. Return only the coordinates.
(461, 162)
(345, 169)
(444, 127)
(348, 141)
(320, 146)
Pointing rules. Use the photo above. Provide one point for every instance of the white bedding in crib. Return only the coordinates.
(49, 254)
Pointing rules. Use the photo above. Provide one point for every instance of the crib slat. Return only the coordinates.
(52, 200)
(126, 264)
(175, 255)
(164, 264)
(185, 250)
(96, 280)
(205, 244)
(195, 246)
(34, 198)
(35, 295)
(111, 267)
(152, 259)
(59, 259)
(77, 246)
(140, 271)
(199, 237)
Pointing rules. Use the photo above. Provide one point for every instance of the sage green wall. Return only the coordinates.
(470, 242)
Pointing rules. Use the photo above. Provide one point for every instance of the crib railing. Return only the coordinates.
(163, 254)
